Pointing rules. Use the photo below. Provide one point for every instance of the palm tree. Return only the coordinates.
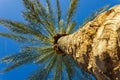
(42, 36)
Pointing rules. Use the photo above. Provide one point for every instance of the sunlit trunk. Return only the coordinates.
(96, 46)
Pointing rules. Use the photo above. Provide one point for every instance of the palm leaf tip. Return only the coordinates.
(94, 15)
(58, 12)
(15, 26)
(50, 12)
(73, 5)
(19, 63)
(15, 37)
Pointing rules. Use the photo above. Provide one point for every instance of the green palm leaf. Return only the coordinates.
(58, 14)
(39, 14)
(50, 12)
(18, 38)
(15, 26)
(62, 27)
(20, 62)
(14, 57)
(69, 68)
(47, 24)
(44, 57)
(94, 15)
(71, 26)
(73, 5)
(58, 70)
(22, 28)
(45, 71)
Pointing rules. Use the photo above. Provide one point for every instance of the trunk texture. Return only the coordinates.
(96, 45)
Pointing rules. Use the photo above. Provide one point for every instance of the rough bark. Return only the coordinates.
(96, 46)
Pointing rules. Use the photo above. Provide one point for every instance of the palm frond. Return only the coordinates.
(41, 9)
(71, 26)
(94, 15)
(49, 67)
(50, 28)
(44, 52)
(19, 28)
(18, 62)
(62, 26)
(42, 73)
(31, 13)
(37, 12)
(27, 55)
(15, 57)
(58, 14)
(44, 57)
(14, 26)
(47, 24)
(36, 74)
(69, 68)
(36, 15)
(50, 12)
(40, 49)
(17, 37)
(73, 5)
(58, 70)
(32, 17)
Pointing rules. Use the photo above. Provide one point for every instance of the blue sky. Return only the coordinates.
(11, 9)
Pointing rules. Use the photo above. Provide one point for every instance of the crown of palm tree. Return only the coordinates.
(40, 35)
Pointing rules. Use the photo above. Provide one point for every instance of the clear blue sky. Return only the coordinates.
(11, 9)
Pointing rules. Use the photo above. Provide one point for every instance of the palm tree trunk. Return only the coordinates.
(96, 46)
